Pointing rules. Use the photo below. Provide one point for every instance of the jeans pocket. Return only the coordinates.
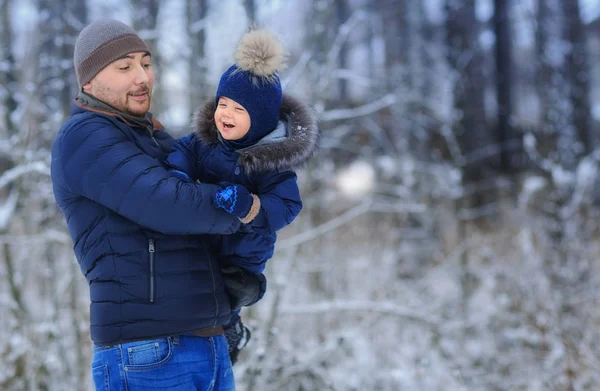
(150, 354)
(100, 378)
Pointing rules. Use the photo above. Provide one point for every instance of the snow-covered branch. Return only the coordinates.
(294, 73)
(12, 174)
(360, 111)
(363, 306)
(324, 228)
(560, 175)
(50, 236)
(7, 209)
(343, 33)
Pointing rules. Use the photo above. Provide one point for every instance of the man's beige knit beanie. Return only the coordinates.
(101, 43)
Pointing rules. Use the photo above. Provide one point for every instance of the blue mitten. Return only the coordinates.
(234, 199)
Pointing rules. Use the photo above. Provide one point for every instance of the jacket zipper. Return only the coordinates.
(152, 137)
(214, 290)
(151, 252)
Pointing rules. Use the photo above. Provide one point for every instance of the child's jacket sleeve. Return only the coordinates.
(181, 157)
(280, 202)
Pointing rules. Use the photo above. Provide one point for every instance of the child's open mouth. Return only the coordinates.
(227, 125)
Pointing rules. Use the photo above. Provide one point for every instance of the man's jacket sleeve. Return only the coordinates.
(102, 163)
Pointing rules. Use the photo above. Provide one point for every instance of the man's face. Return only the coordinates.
(125, 84)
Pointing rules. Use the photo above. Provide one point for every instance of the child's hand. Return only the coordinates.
(234, 199)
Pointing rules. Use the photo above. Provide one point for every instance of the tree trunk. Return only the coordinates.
(50, 82)
(392, 12)
(504, 80)
(391, 119)
(56, 80)
(75, 18)
(8, 73)
(320, 39)
(466, 61)
(50, 67)
(197, 10)
(427, 32)
(145, 22)
(578, 74)
(469, 125)
(250, 7)
(556, 136)
(417, 116)
(343, 13)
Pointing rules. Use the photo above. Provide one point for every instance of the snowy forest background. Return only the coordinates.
(449, 239)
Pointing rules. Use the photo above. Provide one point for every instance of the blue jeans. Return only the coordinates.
(179, 363)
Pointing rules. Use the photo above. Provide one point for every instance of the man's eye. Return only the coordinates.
(147, 65)
(124, 68)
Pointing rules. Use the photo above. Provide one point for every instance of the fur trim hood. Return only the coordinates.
(290, 153)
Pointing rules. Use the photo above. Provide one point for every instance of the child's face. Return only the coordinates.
(232, 120)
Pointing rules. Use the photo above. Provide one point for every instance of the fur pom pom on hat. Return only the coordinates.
(254, 83)
(259, 53)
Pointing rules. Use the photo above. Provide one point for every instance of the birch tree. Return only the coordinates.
(38, 267)
(196, 12)
(250, 7)
(504, 80)
(145, 22)
(8, 73)
(577, 63)
(556, 137)
(465, 59)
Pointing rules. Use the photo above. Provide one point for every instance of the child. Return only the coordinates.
(248, 141)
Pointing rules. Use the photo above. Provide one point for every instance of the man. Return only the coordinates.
(157, 296)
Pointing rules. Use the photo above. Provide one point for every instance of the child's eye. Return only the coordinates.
(239, 108)
(221, 104)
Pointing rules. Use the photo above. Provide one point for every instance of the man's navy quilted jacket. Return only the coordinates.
(137, 231)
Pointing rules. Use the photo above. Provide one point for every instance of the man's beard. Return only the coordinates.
(134, 109)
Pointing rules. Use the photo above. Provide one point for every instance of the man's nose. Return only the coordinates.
(141, 75)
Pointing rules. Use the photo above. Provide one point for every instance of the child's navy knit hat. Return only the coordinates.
(254, 83)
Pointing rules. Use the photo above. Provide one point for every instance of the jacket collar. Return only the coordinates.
(85, 102)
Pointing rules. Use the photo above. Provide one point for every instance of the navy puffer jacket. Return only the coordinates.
(137, 230)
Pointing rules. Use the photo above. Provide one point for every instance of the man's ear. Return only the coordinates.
(87, 86)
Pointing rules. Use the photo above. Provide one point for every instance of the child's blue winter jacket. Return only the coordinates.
(265, 169)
